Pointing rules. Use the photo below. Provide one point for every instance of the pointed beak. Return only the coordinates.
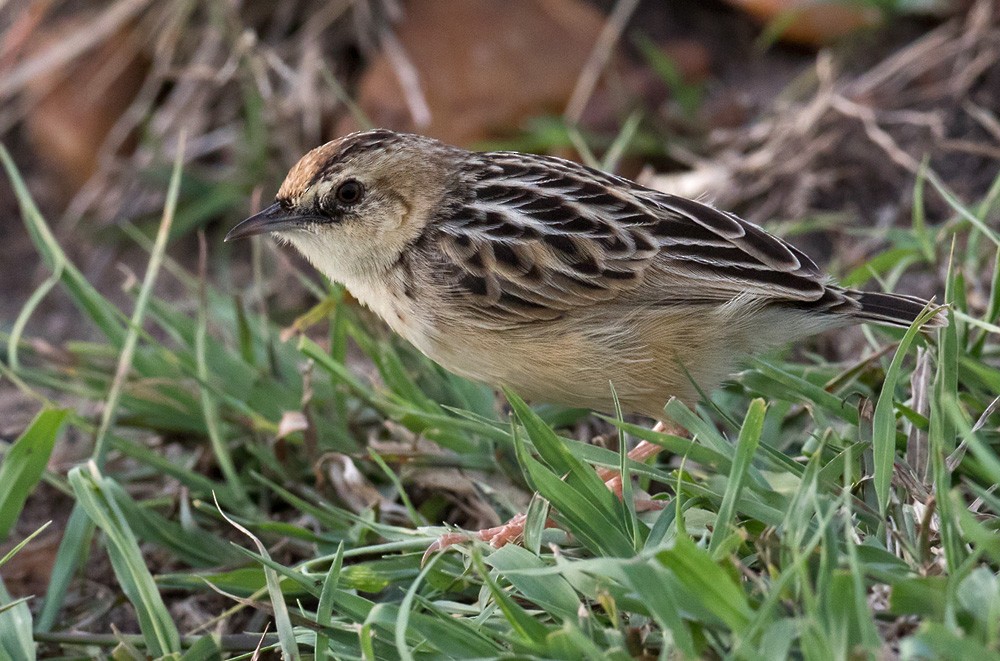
(271, 219)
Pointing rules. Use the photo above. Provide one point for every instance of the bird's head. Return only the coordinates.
(354, 204)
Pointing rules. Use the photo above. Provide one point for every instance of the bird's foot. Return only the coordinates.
(640, 453)
(641, 500)
(513, 530)
(496, 537)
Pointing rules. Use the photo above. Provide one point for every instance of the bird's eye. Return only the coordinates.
(350, 192)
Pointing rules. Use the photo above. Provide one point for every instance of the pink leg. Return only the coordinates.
(513, 529)
(640, 453)
(496, 537)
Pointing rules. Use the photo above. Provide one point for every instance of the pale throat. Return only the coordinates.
(370, 274)
(385, 295)
(345, 256)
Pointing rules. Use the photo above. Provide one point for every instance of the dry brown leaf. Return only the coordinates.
(291, 422)
(72, 109)
(811, 22)
(480, 67)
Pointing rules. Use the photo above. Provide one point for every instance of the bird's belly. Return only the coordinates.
(647, 356)
(564, 364)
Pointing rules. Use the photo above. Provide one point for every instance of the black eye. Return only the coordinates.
(350, 192)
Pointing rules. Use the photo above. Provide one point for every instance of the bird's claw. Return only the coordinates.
(496, 537)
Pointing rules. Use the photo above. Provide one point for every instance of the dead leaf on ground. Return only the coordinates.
(71, 110)
(811, 23)
(478, 83)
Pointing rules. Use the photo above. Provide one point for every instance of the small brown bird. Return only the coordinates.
(552, 278)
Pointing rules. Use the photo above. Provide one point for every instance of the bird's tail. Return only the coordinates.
(895, 309)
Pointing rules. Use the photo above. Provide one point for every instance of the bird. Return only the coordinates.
(555, 279)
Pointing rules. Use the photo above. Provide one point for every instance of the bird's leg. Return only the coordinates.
(512, 530)
(496, 537)
(640, 453)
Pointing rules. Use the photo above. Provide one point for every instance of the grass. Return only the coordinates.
(815, 510)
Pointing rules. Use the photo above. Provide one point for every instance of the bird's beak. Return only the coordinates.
(271, 219)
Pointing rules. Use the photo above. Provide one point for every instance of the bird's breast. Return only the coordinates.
(398, 306)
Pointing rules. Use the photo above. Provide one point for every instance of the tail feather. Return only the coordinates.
(895, 309)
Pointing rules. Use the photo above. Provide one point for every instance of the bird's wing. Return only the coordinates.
(538, 236)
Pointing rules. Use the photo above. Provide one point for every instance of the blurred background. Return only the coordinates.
(818, 112)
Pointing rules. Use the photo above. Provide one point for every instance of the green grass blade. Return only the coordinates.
(530, 630)
(282, 620)
(715, 589)
(551, 592)
(324, 611)
(206, 648)
(138, 314)
(597, 525)
(24, 464)
(210, 407)
(88, 299)
(884, 422)
(21, 544)
(105, 315)
(937, 641)
(77, 533)
(662, 603)
(848, 588)
(807, 391)
(746, 446)
(942, 434)
(95, 494)
(580, 499)
(405, 608)
(193, 547)
(37, 296)
(16, 640)
(553, 450)
(961, 210)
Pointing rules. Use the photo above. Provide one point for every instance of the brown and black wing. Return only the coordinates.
(537, 236)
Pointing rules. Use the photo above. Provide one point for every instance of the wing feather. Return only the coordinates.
(538, 236)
